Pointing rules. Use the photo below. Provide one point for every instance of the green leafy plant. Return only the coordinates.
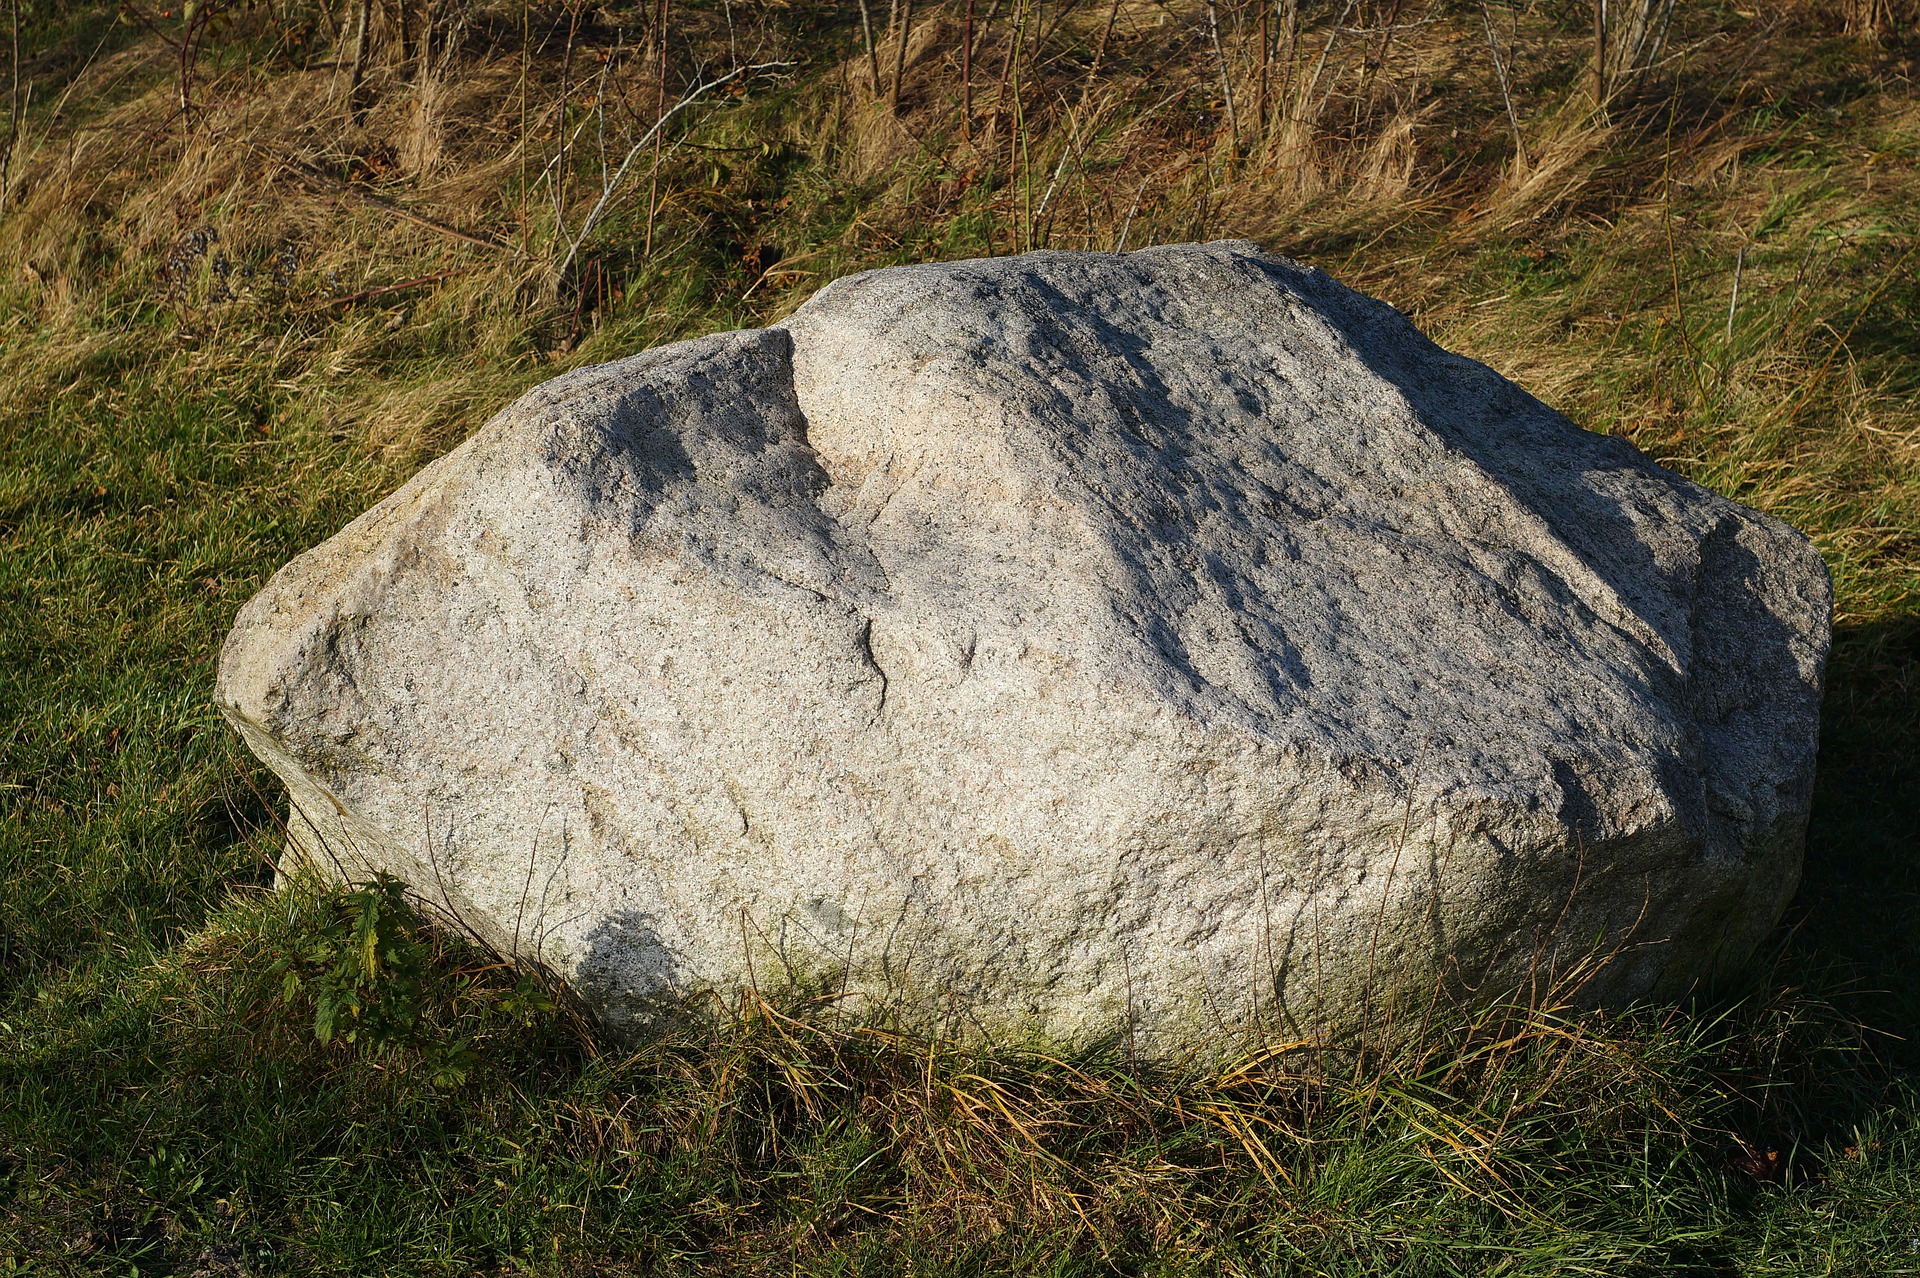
(378, 977)
(365, 967)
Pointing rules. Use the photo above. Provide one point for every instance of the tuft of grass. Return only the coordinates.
(227, 328)
(781, 1134)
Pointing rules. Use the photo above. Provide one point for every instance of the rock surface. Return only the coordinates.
(1176, 642)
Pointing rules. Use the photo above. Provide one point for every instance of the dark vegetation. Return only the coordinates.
(250, 278)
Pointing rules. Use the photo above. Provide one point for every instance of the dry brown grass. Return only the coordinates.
(1381, 145)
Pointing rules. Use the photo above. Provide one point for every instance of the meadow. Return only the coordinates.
(259, 261)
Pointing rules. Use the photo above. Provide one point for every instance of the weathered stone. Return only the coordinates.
(1176, 641)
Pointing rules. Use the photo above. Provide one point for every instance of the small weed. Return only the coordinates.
(364, 969)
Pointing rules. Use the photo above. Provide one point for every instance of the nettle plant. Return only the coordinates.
(364, 965)
(382, 981)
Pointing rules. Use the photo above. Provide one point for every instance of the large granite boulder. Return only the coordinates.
(1176, 643)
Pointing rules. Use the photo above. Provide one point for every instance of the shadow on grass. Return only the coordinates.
(1858, 911)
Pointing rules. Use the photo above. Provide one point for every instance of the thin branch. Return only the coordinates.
(363, 22)
(979, 45)
(1052, 29)
(646, 139)
(873, 58)
(1320, 64)
(13, 111)
(1266, 60)
(405, 215)
(1226, 80)
(659, 117)
(966, 76)
(1100, 50)
(1500, 70)
(1599, 55)
(1120, 246)
(1733, 302)
(1067, 153)
(900, 55)
(558, 187)
(367, 294)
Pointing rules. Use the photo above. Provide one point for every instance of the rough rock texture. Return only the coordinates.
(1177, 641)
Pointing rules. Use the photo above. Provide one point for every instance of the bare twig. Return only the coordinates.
(1067, 153)
(1733, 301)
(362, 29)
(659, 118)
(966, 76)
(986, 25)
(1287, 49)
(1673, 252)
(1120, 245)
(1006, 63)
(1374, 65)
(1226, 79)
(558, 187)
(405, 215)
(367, 294)
(873, 55)
(1266, 59)
(600, 110)
(200, 19)
(1386, 892)
(1624, 52)
(1020, 139)
(900, 55)
(1047, 32)
(1320, 64)
(1506, 95)
(1599, 54)
(13, 108)
(651, 138)
(1106, 34)
(526, 37)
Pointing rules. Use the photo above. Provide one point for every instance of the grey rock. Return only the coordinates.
(1176, 643)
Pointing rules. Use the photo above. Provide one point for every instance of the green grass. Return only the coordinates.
(166, 1104)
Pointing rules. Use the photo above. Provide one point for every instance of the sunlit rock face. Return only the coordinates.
(1176, 643)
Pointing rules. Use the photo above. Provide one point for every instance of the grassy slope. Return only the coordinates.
(172, 429)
